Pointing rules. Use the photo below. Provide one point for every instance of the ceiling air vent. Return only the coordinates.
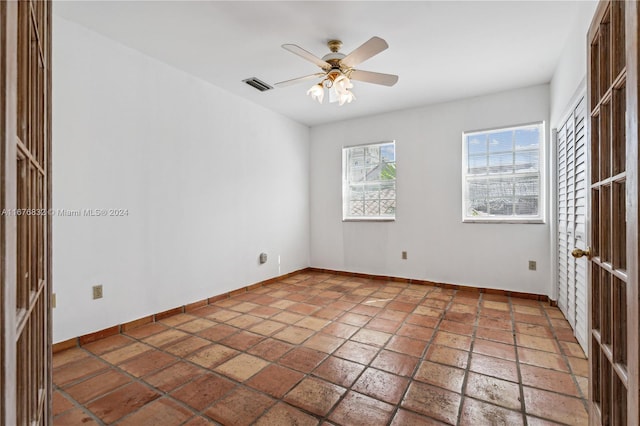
(257, 84)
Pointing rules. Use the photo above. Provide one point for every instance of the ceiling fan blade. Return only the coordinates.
(297, 50)
(299, 80)
(374, 77)
(368, 49)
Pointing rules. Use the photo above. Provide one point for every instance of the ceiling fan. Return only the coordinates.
(338, 70)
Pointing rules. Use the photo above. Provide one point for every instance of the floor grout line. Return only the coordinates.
(564, 356)
(468, 366)
(514, 329)
(421, 358)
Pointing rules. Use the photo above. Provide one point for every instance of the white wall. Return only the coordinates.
(572, 67)
(567, 83)
(429, 192)
(209, 180)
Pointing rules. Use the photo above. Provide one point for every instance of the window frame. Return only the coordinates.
(345, 185)
(540, 218)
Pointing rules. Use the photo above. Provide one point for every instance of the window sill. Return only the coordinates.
(369, 219)
(504, 221)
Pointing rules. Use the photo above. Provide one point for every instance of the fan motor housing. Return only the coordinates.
(333, 58)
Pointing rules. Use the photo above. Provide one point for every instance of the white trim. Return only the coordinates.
(345, 185)
(494, 219)
(553, 212)
(541, 174)
(370, 219)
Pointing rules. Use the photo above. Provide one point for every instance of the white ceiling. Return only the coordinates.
(441, 50)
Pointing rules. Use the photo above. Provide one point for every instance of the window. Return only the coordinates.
(369, 182)
(501, 174)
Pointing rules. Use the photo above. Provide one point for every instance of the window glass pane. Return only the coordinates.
(388, 207)
(372, 208)
(501, 141)
(372, 164)
(388, 171)
(369, 185)
(477, 208)
(372, 192)
(503, 196)
(356, 208)
(374, 173)
(356, 174)
(527, 138)
(356, 157)
(527, 161)
(388, 191)
(372, 156)
(500, 206)
(502, 169)
(500, 188)
(526, 206)
(356, 193)
(388, 153)
(527, 186)
(501, 163)
(477, 198)
(477, 144)
(477, 164)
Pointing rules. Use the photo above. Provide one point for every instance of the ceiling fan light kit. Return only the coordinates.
(338, 86)
(338, 70)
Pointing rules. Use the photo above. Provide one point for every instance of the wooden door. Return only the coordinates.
(25, 188)
(613, 274)
(572, 213)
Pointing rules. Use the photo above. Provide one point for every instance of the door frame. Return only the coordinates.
(40, 16)
(632, 13)
(8, 223)
(632, 92)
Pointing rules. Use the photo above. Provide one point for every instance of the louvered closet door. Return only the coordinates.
(572, 205)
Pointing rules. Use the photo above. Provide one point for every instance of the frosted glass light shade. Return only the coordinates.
(337, 87)
(316, 92)
(346, 97)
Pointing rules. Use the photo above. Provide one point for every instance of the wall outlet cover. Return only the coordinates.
(97, 291)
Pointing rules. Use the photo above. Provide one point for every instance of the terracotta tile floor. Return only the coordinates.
(333, 350)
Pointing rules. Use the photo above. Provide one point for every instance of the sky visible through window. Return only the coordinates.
(388, 153)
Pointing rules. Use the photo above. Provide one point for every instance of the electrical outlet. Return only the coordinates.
(532, 265)
(97, 291)
(404, 255)
(53, 300)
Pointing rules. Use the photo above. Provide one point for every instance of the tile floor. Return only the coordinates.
(333, 350)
